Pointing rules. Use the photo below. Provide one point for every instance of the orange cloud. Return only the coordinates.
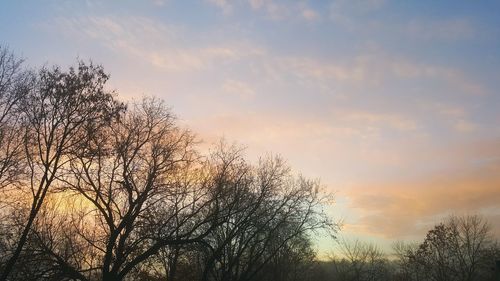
(409, 208)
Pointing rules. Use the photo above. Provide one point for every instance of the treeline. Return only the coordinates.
(458, 249)
(94, 189)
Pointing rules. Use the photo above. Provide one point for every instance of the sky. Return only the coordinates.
(393, 105)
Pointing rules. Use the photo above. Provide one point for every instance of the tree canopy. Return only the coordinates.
(102, 190)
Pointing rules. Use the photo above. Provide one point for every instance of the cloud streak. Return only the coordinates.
(165, 48)
(407, 209)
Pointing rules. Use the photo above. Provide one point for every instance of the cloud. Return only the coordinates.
(362, 18)
(358, 117)
(339, 147)
(224, 5)
(394, 121)
(407, 69)
(159, 2)
(323, 70)
(447, 110)
(150, 41)
(282, 127)
(265, 128)
(408, 208)
(365, 73)
(310, 14)
(257, 4)
(170, 48)
(239, 88)
(272, 9)
(179, 59)
(465, 126)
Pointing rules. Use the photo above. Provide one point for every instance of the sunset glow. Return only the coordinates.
(393, 105)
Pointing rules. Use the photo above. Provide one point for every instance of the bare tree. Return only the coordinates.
(108, 193)
(266, 208)
(470, 242)
(58, 114)
(293, 262)
(455, 250)
(361, 261)
(406, 269)
(15, 82)
(144, 188)
(49, 235)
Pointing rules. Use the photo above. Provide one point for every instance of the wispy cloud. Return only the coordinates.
(394, 121)
(164, 49)
(224, 5)
(361, 17)
(168, 48)
(239, 88)
(272, 9)
(465, 126)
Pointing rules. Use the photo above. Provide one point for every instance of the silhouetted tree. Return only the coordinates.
(455, 250)
(406, 268)
(361, 261)
(15, 83)
(293, 262)
(144, 190)
(58, 114)
(266, 210)
(96, 191)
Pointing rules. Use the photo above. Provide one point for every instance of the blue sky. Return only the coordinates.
(394, 105)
